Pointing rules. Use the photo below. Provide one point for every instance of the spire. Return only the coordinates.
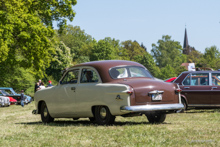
(185, 44)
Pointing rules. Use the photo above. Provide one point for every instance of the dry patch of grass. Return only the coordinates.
(194, 128)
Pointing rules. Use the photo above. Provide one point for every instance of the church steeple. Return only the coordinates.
(187, 49)
(185, 44)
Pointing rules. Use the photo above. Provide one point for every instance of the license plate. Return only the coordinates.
(156, 97)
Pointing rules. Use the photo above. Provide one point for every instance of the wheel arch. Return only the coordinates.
(39, 106)
(185, 99)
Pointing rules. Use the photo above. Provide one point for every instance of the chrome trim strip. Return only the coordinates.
(203, 105)
(143, 108)
(199, 90)
(156, 92)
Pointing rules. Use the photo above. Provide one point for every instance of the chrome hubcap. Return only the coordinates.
(45, 112)
(103, 112)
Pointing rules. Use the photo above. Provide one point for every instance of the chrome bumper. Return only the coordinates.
(160, 107)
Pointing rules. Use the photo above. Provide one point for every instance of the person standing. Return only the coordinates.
(50, 84)
(37, 87)
(22, 98)
(42, 85)
(40, 82)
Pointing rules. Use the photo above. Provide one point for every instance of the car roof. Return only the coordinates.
(6, 88)
(103, 67)
(202, 71)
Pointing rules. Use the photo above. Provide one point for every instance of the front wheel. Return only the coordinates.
(156, 117)
(45, 116)
(103, 116)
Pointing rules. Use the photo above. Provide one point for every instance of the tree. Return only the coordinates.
(132, 49)
(61, 60)
(53, 10)
(212, 57)
(106, 49)
(168, 52)
(148, 61)
(194, 56)
(75, 38)
(18, 78)
(167, 72)
(26, 33)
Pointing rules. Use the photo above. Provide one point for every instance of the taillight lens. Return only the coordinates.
(130, 91)
(178, 90)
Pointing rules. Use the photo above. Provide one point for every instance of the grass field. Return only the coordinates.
(193, 128)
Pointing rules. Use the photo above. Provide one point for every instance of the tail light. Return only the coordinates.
(178, 90)
(130, 91)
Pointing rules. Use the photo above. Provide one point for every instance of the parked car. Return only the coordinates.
(101, 90)
(170, 79)
(7, 91)
(12, 100)
(200, 89)
(4, 101)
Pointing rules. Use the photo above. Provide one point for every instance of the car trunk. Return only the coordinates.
(142, 87)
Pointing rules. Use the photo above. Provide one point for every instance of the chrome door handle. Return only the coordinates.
(186, 87)
(73, 88)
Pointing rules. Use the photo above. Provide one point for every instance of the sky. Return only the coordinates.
(146, 21)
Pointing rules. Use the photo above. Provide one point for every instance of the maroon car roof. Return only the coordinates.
(103, 67)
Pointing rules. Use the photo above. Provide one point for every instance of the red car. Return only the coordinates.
(170, 79)
(12, 101)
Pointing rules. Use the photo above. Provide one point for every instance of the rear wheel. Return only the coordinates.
(156, 117)
(45, 116)
(103, 116)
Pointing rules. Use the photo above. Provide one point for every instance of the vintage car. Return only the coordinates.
(4, 101)
(101, 90)
(7, 91)
(200, 89)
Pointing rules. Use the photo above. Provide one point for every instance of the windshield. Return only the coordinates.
(2, 92)
(129, 71)
(10, 91)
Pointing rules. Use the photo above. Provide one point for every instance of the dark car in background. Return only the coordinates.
(7, 91)
(200, 89)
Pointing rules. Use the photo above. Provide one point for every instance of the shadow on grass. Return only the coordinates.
(197, 110)
(86, 123)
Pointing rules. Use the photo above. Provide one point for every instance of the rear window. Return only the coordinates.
(129, 71)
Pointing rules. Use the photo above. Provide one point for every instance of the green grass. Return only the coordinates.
(194, 128)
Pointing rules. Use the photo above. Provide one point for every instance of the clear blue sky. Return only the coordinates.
(146, 21)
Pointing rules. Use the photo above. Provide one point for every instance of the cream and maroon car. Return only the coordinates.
(101, 90)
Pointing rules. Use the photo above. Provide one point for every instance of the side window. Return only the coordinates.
(215, 78)
(119, 73)
(88, 76)
(200, 79)
(187, 81)
(71, 77)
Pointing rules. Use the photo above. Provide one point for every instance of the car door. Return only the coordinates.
(64, 102)
(215, 88)
(197, 89)
(87, 91)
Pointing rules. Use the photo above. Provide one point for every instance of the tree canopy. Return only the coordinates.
(26, 34)
(167, 52)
